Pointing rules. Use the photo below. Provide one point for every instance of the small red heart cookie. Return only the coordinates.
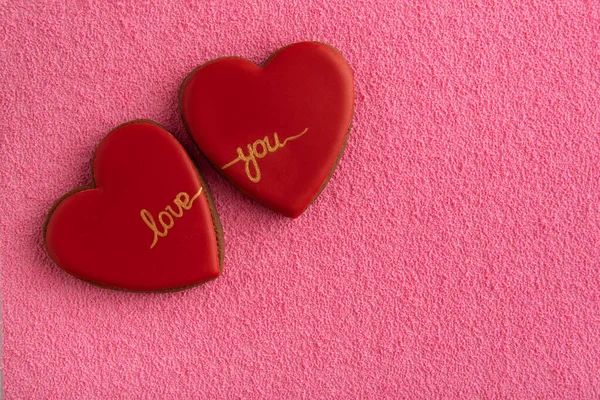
(148, 224)
(278, 131)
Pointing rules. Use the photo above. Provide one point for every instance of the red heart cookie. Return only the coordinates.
(147, 225)
(277, 131)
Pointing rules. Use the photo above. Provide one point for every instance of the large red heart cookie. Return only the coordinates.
(276, 131)
(147, 225)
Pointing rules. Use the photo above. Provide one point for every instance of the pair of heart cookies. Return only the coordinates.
(149, 224)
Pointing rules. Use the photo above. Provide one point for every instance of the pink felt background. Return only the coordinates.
(455, 253)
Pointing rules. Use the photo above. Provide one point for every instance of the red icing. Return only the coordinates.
(99, 235)
(230, 103)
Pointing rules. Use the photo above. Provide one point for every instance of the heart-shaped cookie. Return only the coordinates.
(276, 132)
(148, 224)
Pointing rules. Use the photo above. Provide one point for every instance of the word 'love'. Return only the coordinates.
(165, 218)
(259, 149)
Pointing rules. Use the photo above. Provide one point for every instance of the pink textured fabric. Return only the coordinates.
(455, 253)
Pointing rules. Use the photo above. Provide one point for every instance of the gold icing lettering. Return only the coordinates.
(165, 218)
(250, 163)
